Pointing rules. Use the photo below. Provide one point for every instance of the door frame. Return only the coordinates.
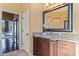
(20, 25)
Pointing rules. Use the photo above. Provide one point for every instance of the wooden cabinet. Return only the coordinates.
(40, 46)
(46, 47)
(44, 44)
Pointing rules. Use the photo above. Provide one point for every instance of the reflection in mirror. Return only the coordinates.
(57, 19)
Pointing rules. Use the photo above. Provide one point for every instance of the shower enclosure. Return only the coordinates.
(9, 32)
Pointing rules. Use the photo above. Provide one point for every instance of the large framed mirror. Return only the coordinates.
(58, 18)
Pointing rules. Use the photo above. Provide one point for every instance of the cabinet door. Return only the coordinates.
(46, 47)
(39, 48)
(43, 47)
(35, 46)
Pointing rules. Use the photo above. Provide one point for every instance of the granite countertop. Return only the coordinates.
(58, 36)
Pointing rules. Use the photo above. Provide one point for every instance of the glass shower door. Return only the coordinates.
(9, 36)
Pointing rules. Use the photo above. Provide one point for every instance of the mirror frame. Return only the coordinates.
(70, 18)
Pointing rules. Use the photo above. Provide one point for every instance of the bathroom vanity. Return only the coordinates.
(54, 45)
(56, 19)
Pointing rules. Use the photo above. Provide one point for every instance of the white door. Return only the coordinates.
(25, 30)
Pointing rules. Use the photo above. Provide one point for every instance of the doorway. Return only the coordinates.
(10, 39)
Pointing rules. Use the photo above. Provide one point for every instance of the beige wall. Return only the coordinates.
(11, 6)
(76, 18)
(36, 17)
